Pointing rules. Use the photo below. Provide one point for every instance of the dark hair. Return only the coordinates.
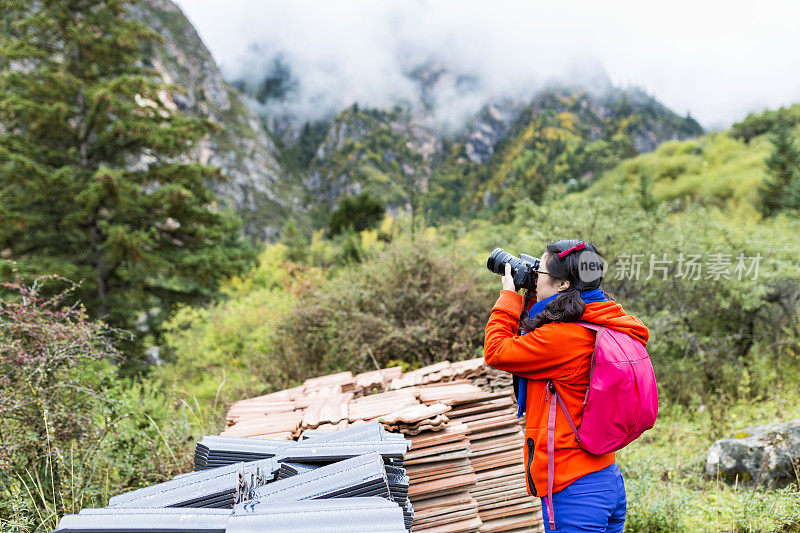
(568, 306)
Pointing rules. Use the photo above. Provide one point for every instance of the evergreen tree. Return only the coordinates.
(356, 213)
(781, 188)
(95, 182)
(295, 240)
(647, 200)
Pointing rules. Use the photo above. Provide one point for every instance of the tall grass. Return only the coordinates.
(668, 492)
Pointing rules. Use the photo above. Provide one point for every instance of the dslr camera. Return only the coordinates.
(523, 268)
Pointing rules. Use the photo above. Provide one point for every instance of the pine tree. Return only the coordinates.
(357, 213)
(647, 200)
(95, 181)
(781, 188)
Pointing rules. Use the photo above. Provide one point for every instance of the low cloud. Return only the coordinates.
(716, 60)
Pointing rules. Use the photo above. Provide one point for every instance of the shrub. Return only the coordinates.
(72, 434)
(357, 213)
(409, 302)
(226, 350)
(54, 368)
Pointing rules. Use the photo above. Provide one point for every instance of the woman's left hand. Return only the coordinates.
(508, 280)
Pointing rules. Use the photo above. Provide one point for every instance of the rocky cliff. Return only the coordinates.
(511, 147)
(256, 187)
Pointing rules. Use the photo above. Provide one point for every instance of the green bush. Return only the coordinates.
(756, 124)
(356, 213)
(54, 367)
(412, 302)
(73, 434)
(713, 170)
(226, 350)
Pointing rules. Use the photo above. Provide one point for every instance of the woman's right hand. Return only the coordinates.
(507, 280)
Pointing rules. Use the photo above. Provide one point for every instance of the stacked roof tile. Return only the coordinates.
(318, 457)
(344, 481)
(465, 467)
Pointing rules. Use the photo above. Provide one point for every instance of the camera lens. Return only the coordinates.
(498, 259)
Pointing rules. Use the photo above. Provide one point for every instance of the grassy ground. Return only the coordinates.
(664, 474)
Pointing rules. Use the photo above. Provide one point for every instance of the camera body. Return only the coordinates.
(523, 268)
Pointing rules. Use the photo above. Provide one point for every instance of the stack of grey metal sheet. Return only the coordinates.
(371, 432)
(349, 480)
(358, 515)
(148, 520)
(361, 475)
(364, 475)
(215, 451)
(398, 487)
(347, 515)
(216, 487)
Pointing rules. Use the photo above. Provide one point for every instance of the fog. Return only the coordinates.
(715, 60)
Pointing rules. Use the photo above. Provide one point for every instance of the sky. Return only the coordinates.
(716, 60)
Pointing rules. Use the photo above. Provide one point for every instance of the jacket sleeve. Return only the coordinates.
(540, 354)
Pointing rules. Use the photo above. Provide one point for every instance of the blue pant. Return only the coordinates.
(595, 502)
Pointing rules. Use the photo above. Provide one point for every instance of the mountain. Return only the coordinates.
(451, 150)
(722, 169)
(561, 138)
(256, 187)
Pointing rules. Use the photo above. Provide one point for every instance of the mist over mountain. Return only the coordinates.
(289, 88)
(425, 126)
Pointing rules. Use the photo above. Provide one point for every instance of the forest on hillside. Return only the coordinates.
(137, 304)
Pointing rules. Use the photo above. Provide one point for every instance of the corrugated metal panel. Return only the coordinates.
(145, 520)
(218, 487)
(325, 452)
(215, 451)
(352, 477)
(353, 515)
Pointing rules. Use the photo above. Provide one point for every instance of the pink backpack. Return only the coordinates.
(620, 404)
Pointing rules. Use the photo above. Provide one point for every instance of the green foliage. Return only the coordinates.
(91, 180)
(416, 304)
(295, 240)
(663, 472)
(300, 154)
(756, 124)
(781, 188)
(363, 148)
(72, 433)
(356, 213)
(713, 170)
(445, 200)
(646, 199)
(54, 372)
(226, 350)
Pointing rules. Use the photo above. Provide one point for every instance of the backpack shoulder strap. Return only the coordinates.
(598, 329)
(591, 325)
(555, 399)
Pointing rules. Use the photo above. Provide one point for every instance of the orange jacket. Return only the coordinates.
(560, 351)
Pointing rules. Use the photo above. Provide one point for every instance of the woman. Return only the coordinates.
(588, 490)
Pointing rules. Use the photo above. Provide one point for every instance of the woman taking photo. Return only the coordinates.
(588, 492)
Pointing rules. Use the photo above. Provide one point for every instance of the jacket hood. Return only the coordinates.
(611, 315)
